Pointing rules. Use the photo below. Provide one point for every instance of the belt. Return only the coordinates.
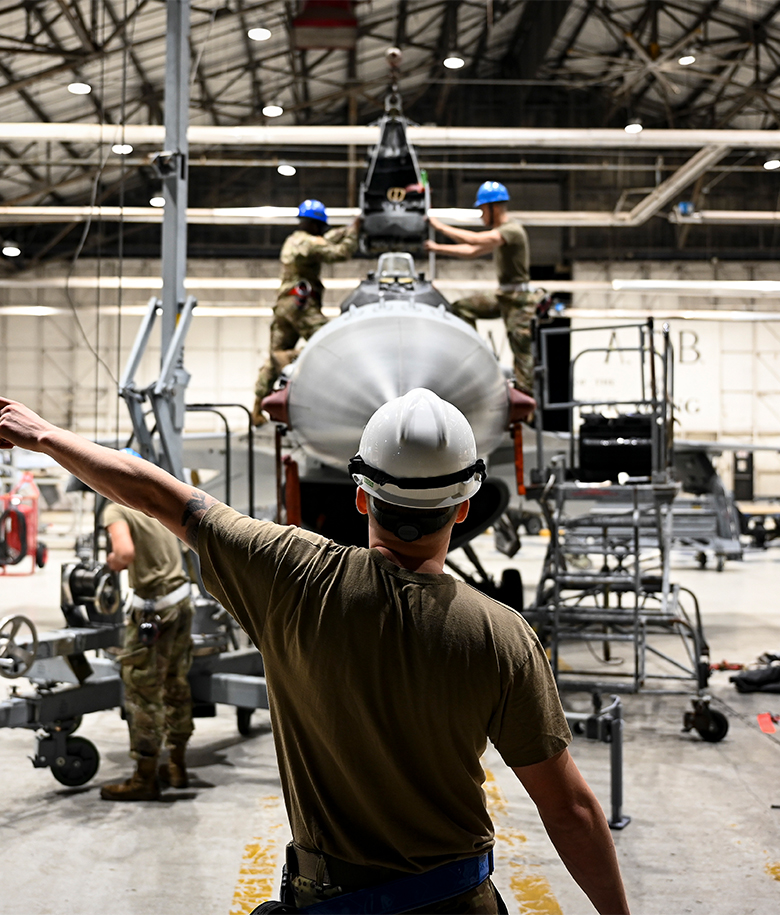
(161, 603)
(406, 893)
(514, 287)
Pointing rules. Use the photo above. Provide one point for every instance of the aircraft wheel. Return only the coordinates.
(79, 765)
(511, 589)
(532, 524)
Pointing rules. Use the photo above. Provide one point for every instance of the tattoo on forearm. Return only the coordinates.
(195, 509)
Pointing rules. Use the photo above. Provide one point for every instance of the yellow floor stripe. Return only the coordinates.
(261, 861)
(530, 888)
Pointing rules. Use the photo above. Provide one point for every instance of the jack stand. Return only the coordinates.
(606, 725)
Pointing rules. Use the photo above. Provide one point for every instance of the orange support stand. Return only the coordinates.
(292, 491)
(517, 436)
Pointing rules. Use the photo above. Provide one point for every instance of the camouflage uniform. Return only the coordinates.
(512, 302)
(481, 900)
(298, 309)
(157, 692)
(517, 311)
(158, 702)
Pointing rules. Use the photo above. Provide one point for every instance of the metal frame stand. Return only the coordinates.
(606, 725)
(606, 578)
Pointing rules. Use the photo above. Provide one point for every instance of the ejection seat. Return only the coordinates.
(394, 198)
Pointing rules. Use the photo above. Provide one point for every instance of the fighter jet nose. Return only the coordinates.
(372, 354)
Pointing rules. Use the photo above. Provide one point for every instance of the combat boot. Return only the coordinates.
(174, 772)
(142, 785)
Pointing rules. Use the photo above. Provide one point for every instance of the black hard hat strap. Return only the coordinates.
(358, 465)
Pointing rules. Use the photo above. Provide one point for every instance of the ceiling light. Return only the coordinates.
(11, 250)
(79, 88)
(633, 126)
(273, 109)
(157, 202)
(287, 170)
(453, 61)
(122, 149)
(686, 59)
(259, 34)
(772, 163)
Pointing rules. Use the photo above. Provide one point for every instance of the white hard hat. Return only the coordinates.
(418, 451)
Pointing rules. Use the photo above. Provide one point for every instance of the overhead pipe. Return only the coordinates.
(450, 137)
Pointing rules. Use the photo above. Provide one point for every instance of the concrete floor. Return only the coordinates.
(705, 818)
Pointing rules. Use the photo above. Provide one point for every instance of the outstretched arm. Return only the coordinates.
(576, 824)
(120, 477)
(468, 243)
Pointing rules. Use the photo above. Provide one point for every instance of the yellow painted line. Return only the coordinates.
(530, 888)
(261, 860)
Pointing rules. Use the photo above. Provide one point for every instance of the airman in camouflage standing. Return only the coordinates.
(157, 652)
(298, 309)
(512, 301)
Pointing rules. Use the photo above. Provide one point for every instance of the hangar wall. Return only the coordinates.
(727, 369)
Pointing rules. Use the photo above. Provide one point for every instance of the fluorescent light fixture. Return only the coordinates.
(633, 126)
(686, 59)
(157, 202)
(259, 34)
(273, 109)
(772, 163)
(11, 250)
(79, 88)
(454, 61)
(287, 170)
(122, 149)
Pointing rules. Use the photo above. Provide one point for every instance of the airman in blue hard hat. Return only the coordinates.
(298, 309)
(508, 241)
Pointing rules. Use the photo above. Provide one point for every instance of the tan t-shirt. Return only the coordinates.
(512, 259)
(156, 569)
(384, 686)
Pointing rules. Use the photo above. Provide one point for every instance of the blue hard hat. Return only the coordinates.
(313, 209)
(491, 192)
(132, 452)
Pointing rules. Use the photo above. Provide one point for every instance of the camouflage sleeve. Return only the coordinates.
(336, 245)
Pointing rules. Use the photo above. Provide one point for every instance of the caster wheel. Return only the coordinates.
(79, 765)
(715, 729)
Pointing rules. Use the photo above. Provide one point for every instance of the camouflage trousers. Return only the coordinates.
(481, 900)
(158, 702)
(517, 312)
(294, 319)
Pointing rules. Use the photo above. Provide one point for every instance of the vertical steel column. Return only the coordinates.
(172, 166)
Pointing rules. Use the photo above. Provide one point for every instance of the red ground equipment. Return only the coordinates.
(19, 525)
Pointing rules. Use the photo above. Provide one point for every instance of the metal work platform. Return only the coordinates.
(606, 607)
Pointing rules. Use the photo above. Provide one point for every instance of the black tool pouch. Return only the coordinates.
(149, 627)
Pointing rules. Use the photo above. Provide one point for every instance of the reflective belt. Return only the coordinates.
(161, 603)
(412, 892)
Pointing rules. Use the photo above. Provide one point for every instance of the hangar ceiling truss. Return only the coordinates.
(557, 63)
